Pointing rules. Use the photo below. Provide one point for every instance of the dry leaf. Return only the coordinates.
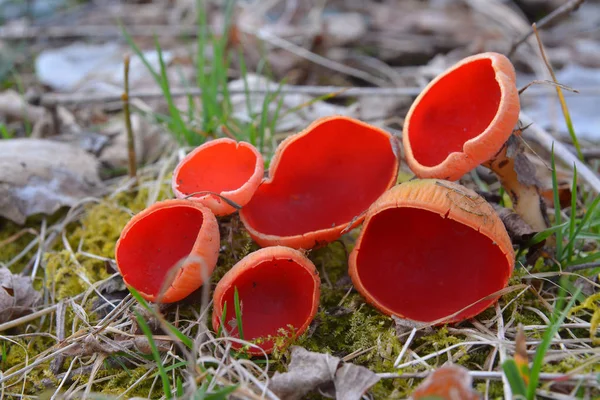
(352, 381)
(519, 231)
(450, 382)
(309, 370)
(40, 176)
(17, 296)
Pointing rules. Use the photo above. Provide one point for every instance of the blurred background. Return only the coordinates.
(61, 64)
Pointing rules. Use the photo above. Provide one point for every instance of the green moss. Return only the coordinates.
(496, 390)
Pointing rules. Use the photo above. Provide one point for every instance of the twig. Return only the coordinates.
(546, 82)
(590, 379)
(52, 99)
(581, 267)
(126, 111)
(27, 318)
(566, 8)
(24, 32)
(535, 132)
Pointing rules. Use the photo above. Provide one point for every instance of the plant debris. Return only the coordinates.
(309, 370)
(17, 295)
(450, 382)
(40, 176)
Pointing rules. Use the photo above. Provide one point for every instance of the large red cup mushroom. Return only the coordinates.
(278, 289)
(169, 234)
(429, 249)
(221, 168)
(464, 118)
(321, 181)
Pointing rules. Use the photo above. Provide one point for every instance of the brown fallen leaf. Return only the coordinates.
(17, 296)
(519, 231)
(352, 381)
(40, 176)
(449, 382)
(309, 370)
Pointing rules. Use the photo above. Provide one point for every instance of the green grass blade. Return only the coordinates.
(184, 339)
(238, 313)
(587, 259)
(161, 368)
(4, 132)
(179, 126)
(180, 390)
(21, 89)
(511, 371)
(557, 214)
(573, 216)
(139, 53)
(586, 217)
(545, 234)
(558, 316)
(222, 394)
(223, 316)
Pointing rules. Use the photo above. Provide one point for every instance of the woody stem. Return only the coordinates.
(522, 190)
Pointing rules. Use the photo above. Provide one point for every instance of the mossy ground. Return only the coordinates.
(345, 325)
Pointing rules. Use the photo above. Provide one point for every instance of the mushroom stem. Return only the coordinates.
(517, 175)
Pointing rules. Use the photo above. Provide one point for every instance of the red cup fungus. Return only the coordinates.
(431, 251)
(278, 289)
(166, 235)
(222, 167)
(464, 118)
(321, 181)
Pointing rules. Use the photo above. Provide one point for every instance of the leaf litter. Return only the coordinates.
(17, 295)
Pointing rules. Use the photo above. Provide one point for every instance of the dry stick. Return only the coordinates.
(28, 318)
(52, 99)
(39, 361)
(126, 111)
(546, 140)
(95, 31)
(581, 267)
(566, 8)
(589, 379)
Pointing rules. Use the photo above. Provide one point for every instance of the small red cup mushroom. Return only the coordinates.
(169, 234)
(321, 181)
(221, 167)
(429, 249)
(278, 289)
(464, 118)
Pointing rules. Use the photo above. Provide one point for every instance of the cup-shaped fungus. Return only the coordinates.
(167, 251)
(217, 170)
(431, 251)
(278, 290)
(464, 118)
(321, 181)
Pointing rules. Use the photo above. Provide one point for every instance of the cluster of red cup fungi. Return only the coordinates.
(430, 250)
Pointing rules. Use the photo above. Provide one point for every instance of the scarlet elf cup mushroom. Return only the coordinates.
(431, 251)
(167, 250)
(321, 181)
(464, 118)
(218, 170)
(278, 290)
